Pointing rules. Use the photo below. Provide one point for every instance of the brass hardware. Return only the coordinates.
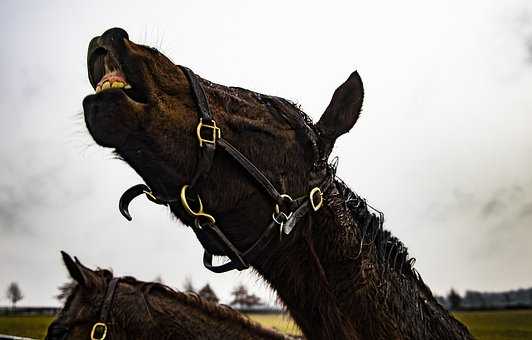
(200, 212)
(151, 196)
(216, 132)
(284, 217)
(277, 209)
(315, 206)
(102, 327)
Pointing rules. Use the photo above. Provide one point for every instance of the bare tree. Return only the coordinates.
(208, 294)
(14, 294)
(188, 286)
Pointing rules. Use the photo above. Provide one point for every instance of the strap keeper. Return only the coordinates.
(216, 133)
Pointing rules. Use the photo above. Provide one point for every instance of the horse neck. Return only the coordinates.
(336, 289)
(186, 316)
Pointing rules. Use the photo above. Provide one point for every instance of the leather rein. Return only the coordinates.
(210, 138)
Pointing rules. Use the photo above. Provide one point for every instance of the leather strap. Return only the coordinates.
(207, 150)
(206, 154)
(204, 111)
(249, 255)
(108, 300)
(259, 177)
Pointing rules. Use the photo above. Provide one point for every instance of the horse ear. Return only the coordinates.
(342, 112)
(81, 274)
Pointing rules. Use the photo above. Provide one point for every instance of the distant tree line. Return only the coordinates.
(242, 299)
(512, 299)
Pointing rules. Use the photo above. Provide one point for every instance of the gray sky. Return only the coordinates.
(444, 146)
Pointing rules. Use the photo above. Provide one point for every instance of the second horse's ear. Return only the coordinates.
(342, 112)
(81, 274)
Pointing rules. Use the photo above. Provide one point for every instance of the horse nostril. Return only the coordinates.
(116, 33)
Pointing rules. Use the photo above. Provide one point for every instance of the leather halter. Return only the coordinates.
(99, 329)
(210, 137)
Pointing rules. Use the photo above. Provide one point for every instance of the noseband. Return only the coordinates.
(287, 211)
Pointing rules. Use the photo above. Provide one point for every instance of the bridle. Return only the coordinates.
(99, 329)
(287, 211)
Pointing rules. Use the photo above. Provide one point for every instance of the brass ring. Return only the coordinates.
(200, 212)
(95, 327)
(277, 209)
(315, 206)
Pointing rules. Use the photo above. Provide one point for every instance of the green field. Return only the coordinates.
(498, 325)
(488, 325)
(27, 326)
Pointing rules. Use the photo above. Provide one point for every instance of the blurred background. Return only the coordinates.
(443, 148)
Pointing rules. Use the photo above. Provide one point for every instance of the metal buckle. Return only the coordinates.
(315, 206)
(216, 132)
(99, 326)
(200, 212)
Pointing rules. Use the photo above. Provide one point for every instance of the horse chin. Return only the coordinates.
(111, 116)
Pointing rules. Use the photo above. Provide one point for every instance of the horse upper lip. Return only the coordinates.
(108, 69)
(101, 64)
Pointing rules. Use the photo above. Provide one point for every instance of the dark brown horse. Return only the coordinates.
(143, 310)
(338, 272)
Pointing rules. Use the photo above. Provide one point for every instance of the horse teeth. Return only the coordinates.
(110, 84)
(117, 85)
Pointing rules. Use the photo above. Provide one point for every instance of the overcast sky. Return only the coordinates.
(444, 146)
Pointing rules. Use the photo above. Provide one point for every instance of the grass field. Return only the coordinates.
(488, 325)
(32, 326)
(498, 325)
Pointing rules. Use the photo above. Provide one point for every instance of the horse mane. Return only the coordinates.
(391, 252)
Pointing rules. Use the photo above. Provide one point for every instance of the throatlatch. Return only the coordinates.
(209, 137)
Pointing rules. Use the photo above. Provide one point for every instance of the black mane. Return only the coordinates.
(391, 252)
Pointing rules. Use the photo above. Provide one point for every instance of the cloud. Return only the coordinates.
(493, 207)
(523, 24)
(30, 182)
(526, 210)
